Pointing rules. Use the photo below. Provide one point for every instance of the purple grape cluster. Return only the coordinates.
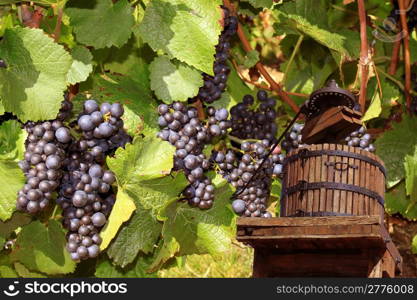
(360, 138)
(102, 127)
(215, 85)
(241, 169)
(392, 23)
(44, 157)
(258, 123)
(86, 195)
(182, 128)
(293, 138)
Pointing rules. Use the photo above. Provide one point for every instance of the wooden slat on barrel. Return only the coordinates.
(362, 182)
(367, 185)
(351, 176)
(372, 186)
(317, 176)
(356, 181)
(330, 178)
(337, 177)
(311, 164)
(323, 178)
(344, 179)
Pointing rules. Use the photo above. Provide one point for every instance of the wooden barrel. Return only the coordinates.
(332, 180)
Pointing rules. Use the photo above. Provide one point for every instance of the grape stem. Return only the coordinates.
(364, 58)
(407, 64)
(240, 141)
(273, 84)
(293, 54)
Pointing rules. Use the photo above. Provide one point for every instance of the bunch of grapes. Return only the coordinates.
(241, 169)
(44, 157)
(215, 85)
(86, 195)
(360, 139)
(293, 138)
(393, 20)
(102, 127)
(259, 123)
(182, 128)
(86, 198)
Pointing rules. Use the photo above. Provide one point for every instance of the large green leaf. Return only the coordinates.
(310, 18)
(81, 65)
(146, 159)
(16, 221)
(185, 29)
(139, 234)
(102, 23)
(12, 180)
(121, 212)
(174, 81)
(42, 248)
(414, 244)
(187, 230)
(33, 84)
(410, 166)
(260, 3)
(138, 269)
(12, 141)
(394, 145)
(396, 201)
(375, 109)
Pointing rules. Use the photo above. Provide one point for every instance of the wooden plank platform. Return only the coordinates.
(356, 246)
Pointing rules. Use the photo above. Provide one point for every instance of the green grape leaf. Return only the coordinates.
(209, 231)
(144, 159)
(185, 29)
(33, 84)
(6, 228)
(12, 141)
(394, 145)
(103, 24)
(414, 245)
(81, 65)
(1, 108)
(25, 273)
(396, 201)
(138, 269)
(121, 212)
(410, 166)
(124, 59)
(251, 58)
(375, 109)
(6, 267)
(139, 234)
(260, 3)
(42, 248)
(12, 180)
(310, 18)
(174, 81)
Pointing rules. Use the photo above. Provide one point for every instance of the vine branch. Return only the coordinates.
(402, 5)
(394, 58)
(247, 47)
(364, 57)
(58, 26)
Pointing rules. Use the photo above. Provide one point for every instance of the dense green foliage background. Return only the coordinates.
(142, 53)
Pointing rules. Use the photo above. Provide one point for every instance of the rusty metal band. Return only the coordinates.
(303, 186)
(305, 153)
